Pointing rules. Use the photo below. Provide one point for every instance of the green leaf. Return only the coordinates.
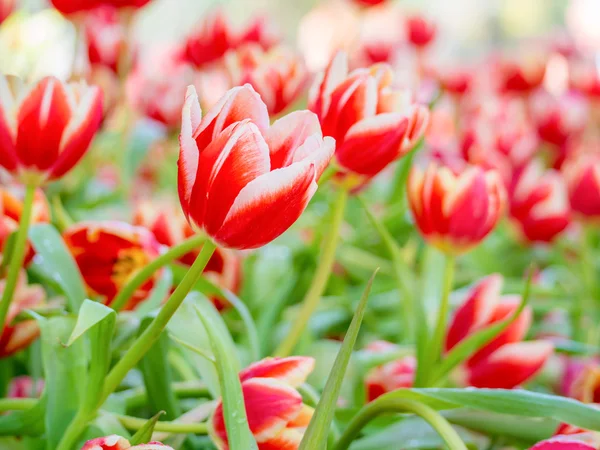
(234, 411)
(514, 402)
(54, 262)
(158, 378)
(91, 314)
(144, 434)
(25, 423)
(317, 433)
(65, 370)
(8, 250)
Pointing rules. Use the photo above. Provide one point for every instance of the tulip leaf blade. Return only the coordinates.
(239, 435)
(317, 432)
(144, 434)
(55, 263)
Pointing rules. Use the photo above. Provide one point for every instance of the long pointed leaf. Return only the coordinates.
(316, 435)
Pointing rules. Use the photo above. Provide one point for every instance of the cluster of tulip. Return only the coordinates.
(118, 302)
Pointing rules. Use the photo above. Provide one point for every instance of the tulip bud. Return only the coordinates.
(505, 362)
(539, 204)
(109, 253)
(582, 175)
(421, 32)
(46, 130)
(521, 74)
(276, 414)
(390, 376)
(559, 119)
(15, 337)
(115, 442)
(372, 123)
(242, 181)
(455, 211)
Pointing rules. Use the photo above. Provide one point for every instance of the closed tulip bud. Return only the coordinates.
(372, 123)
(563, 443)
(46, 130)
(390, 376)
(559, 119)
(242, 181)
(582, 175)
(506, 361)
(109, 253)
(106, 37)
(6, 9)
(11, 208)
(455, 211)
(278, 75)
(539, 203)
(170, 228)
(17, 336)
(276, 414)
(420, 31)
(24, 387)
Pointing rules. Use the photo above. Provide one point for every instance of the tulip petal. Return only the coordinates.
(476, 311)
(270, 406)
(79, 132)
(42, 118)
(289, 133)
(510, 365)
(288, 439)
(112, 442)
(8, 155)
(188, 150)
(319, 97)
(561, 443)
(293, 370)
(268, 206)
(239, 103)
(317, 149)
(371, 144)
(235, 158)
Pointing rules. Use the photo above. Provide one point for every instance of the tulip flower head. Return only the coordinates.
(582, 175)
(69, 7)
(106, 37)
(455, 209)
(585, 78)
(11, 208)
(46, 129)
(390, 376)
(6, 9)
(276, 414)
(506, 361)
(420, 32)
(15, 337)
(109, 253)
(278, 75)
(559, 119)
(242, 181)
(521, 74)
(372, 123)
(115, 442)
(539, 203)
(24, 386)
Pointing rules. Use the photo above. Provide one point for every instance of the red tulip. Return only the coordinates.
(75, 6)
(522, 74)
(276, 414)
(581, 380)
(170, 228)
(420, 31)
(582, 174)
(159, 94)
(559, 119)
(23, 387)
(372, 123)
(455, 211)
(214, 36)
(11, 208)
(278, 75)
(585, 78)
(106, 37)
(562, 443)
(390, 376)
(567, 431)
(539, 203)
(455, 80)
(505, 362)
(242, 181)
(109, 254)
(18, 336)
(369, 2)
(6, 9)
(115, 442)
(44, 131)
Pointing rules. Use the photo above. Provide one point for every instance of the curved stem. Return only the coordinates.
(319, 282)
(146, 273)
(133, 423)
(18, 254)
(392, 404)
(17, 404)
(436, 344)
